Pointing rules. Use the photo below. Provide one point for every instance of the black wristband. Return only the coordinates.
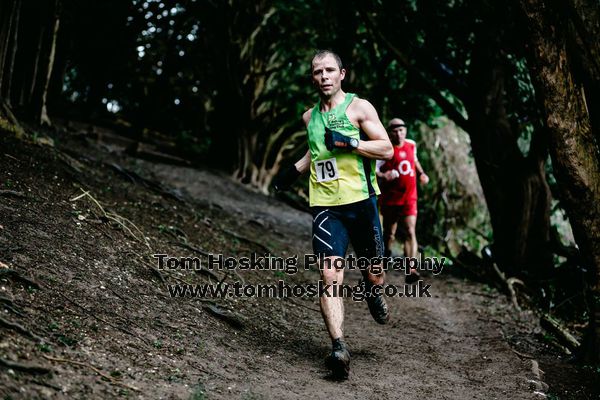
(336, 140)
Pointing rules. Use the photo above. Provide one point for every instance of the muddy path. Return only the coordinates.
(441, 347)
(100, 319)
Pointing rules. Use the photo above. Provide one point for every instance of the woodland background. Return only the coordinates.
(503, 99)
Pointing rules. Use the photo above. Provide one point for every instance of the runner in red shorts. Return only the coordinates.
(398, 201)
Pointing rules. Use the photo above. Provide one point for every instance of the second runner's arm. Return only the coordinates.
(423, 178)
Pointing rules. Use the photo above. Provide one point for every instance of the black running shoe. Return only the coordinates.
(377, 306)
(413, 277)
(339, 360)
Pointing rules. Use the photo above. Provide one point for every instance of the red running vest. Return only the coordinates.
(402, 190)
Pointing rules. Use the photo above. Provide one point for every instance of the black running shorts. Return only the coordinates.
(357, 223)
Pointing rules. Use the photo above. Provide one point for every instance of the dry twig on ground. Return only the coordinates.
(123, 222)
(109, 378)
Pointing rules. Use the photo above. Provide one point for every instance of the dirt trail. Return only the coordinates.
(99, 302)
(441, 347)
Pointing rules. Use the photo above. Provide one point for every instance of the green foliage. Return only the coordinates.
(66, 340)
(7, 126)
(45, 347)
(192, 69)
(251, 396)
(198, 392)
(116, 373)
(227, 82)
(452, 209)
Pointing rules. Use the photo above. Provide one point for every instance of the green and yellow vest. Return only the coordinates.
(340, 176)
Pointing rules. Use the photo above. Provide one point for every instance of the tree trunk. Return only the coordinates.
(4, 17)
(27, 91)
(514, 186)
(13, 51)
(584, 26)
(43, 117)
(574, 151)
(5, 41)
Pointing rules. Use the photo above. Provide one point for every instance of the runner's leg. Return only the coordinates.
(330, 241)
(365, 233)
(390, 225)
(332, 308)
(410, 241)
(411, 249)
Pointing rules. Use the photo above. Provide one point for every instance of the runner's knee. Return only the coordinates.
(389, 231)
(332, 270)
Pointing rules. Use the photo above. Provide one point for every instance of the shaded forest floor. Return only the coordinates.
(86, 298)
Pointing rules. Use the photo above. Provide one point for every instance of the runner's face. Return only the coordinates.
(327, 76)
(398, 135)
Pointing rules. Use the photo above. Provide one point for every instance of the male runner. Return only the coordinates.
(345, 137)
(399, 192)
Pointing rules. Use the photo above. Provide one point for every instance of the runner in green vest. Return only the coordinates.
(345, 137)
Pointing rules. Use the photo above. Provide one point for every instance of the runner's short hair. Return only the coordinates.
(395, 123)
(323, 53)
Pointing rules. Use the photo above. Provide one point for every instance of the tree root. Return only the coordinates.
(157, 273)
(510, 284)
(17, 277)
(6, 301)
(294, 302)
(46, 384)
(241, 278)
(12, 193)
(18, 129)
(89, 313)
(32, 369)
(197, 250)
(522, 355)
(192, 248)
(247, 240)
(13, 310)
(10, 306)
(109, 378)
(148, 183)
(232, 319)
(18, 328)
(546, 321)
(556, 328)
(70, 162)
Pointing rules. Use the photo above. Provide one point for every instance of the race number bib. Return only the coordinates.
(326, 170)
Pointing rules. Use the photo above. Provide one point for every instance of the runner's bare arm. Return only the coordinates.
(418, 167)
(423, 178)
(378, 146)
(303, 164)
